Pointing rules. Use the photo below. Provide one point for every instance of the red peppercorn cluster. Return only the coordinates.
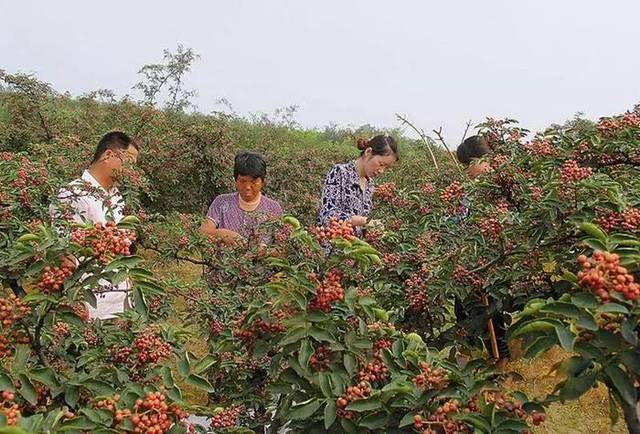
(353, 393)
(216, 327)
(386, 191)
(463, 276)
(540, 148)
(53, 277)
(442, 419)
(428, 188)
(373, 371)
(498, 160)
(391, 260)
(328, 292)
(491, 228)
(379, 345)
(91, 337)
(453, 193)
(611, 126)
(61, 330)
(603, 274)
(321, 358)
(628, 220)
(502, 207)
(536, 192)
(12, 309)
(151, 347)
(227, 418)
(148, 348)
(106, 240)
(572, 172)
(373, 236)
(8, 408)
(335, 229)
(430, 377)
(283, 234)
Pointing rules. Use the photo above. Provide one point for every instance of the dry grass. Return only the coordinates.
(588, 415)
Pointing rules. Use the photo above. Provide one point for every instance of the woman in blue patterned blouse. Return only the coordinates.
(348, 188)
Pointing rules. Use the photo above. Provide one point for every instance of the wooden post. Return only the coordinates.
(492, 331)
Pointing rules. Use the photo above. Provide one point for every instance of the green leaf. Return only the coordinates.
(631, 360)
(325, 384)
(21, 357)
(199, 382)
(101, 417)
(330, 412)
(70, 318)
(71, 395)
(184, 365)
(587, 322)
(585, 300)
(204, 364)
(167, 377)
(561, 308)
(350, 364)
(512, 425)
(348, 426)
(368, 404)
(476, 421)
(541, 344)
(27, 390)
(81, 423)
(622, 383)
(565, 337)
(123, 262)
(367, 301)
(293, 336)
(321, 335)
(575, 387)
(407, 420)
(45, 376)
(374, 421)
(304, 410)
(305, 352)
(628, 331)
(594, 231)
(90, 297)
(175, 394)
(139, 302)
(595, 244)
(613, 308)
(98, 387)
(6, 383)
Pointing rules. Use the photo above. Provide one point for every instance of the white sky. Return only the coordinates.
(351, 62)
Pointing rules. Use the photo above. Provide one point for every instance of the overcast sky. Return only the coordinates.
(350, 62)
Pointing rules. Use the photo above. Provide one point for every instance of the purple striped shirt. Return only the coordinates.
(226, 213)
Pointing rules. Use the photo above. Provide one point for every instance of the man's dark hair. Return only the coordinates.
(249, 164)
(472, 147)
(113, 140)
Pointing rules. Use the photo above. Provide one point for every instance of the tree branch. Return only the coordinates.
(422, 136)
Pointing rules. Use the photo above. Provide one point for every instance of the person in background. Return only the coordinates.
(347, 194)
(470, 153)
(94, 198)
(233, 217)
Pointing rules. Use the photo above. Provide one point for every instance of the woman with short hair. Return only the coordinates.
(236, 216)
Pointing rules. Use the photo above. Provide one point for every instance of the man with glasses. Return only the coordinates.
(94, 198)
